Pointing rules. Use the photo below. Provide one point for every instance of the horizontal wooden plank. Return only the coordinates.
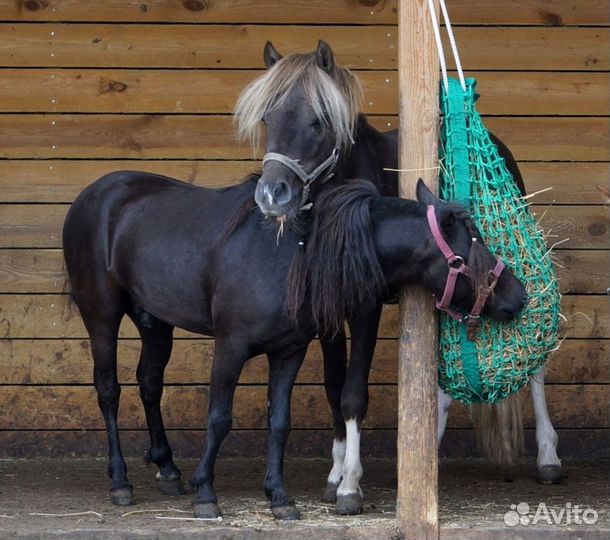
(34, 316)
(204, 11)
(367, 47)
(575, 226)
(75, 407)
(42, 271)
(554, 139)
(302, 443)
(35, 225)
(212, 137)
(582, 271)
(57, 362)
(62, 180)
(216, 91)
(571, 183)
(555, 13)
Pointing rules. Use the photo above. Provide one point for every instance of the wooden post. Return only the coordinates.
(417, 502)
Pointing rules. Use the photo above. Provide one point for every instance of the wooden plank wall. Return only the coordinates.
(91, 87)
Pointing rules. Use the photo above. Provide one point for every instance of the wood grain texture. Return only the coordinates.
(418, 90)
(39, 226)
(216, 91)
(42, 271)
(184, 407)
(48, 316)
(582, 271)
(62, 180)
(68, 361)
(212, 137)
(578, 227)
(537, 12)
(240, 46)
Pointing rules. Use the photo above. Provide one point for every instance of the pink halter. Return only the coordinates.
(457, 266)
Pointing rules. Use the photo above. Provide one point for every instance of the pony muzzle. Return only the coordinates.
(274, 197)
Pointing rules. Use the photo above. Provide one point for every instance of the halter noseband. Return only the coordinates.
(457, 266)
(327, 166)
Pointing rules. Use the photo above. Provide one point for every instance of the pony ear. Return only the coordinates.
(270, 55)
(424, 195)
(325, 57)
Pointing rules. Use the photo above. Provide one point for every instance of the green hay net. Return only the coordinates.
(505, 355)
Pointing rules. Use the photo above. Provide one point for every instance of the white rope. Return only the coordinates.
(458, 63)
(439, 43)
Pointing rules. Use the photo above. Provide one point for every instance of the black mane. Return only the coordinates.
(338, 272)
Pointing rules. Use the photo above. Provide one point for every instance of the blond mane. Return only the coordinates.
(335, 97)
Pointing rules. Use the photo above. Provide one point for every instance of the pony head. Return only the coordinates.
(306, 106)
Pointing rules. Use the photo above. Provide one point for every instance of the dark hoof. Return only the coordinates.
(549, 474)
(172, 486)
(330, 493)
(349, 505)
(122, 496)
(288, 512)
(208, 510)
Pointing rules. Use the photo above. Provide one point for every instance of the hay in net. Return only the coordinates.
(505, 355)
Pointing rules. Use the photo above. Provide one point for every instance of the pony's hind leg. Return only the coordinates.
(444, 402)
(548, 463)
(283, 370)
(334, 352)
(102, 319)
(157, 338)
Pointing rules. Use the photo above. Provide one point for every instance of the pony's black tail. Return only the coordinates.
(69, 298)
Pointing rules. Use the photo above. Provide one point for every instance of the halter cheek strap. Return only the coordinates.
(307, 178)
(457, 266)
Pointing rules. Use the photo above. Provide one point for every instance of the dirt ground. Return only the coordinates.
(35, 495)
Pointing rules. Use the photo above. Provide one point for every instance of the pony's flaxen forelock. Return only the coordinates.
(335, 97)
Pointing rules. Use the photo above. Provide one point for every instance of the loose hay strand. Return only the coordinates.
(70, 514)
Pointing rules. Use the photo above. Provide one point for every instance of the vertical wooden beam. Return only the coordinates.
(417, 504)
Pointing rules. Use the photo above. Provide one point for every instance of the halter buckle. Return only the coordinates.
(455, 262)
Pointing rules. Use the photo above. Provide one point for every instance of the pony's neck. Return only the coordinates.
(401, 234)
(371, 153)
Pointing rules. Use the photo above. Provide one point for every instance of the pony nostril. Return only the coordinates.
(281, 192)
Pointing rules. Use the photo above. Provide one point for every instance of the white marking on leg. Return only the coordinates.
(546, 437)
(444, 402)
(352, 469)
(336, 473)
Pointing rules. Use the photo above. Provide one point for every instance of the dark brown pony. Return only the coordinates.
(308, 107)
(155, 249)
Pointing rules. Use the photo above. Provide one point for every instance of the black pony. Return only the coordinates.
(315, 139)
(158, 251)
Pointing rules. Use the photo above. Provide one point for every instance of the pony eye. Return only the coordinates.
(316, 124)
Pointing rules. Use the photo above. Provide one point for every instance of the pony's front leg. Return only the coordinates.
(334, 353)
(229, 360)
(354, 404)
(548, 464)
(283, 369)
